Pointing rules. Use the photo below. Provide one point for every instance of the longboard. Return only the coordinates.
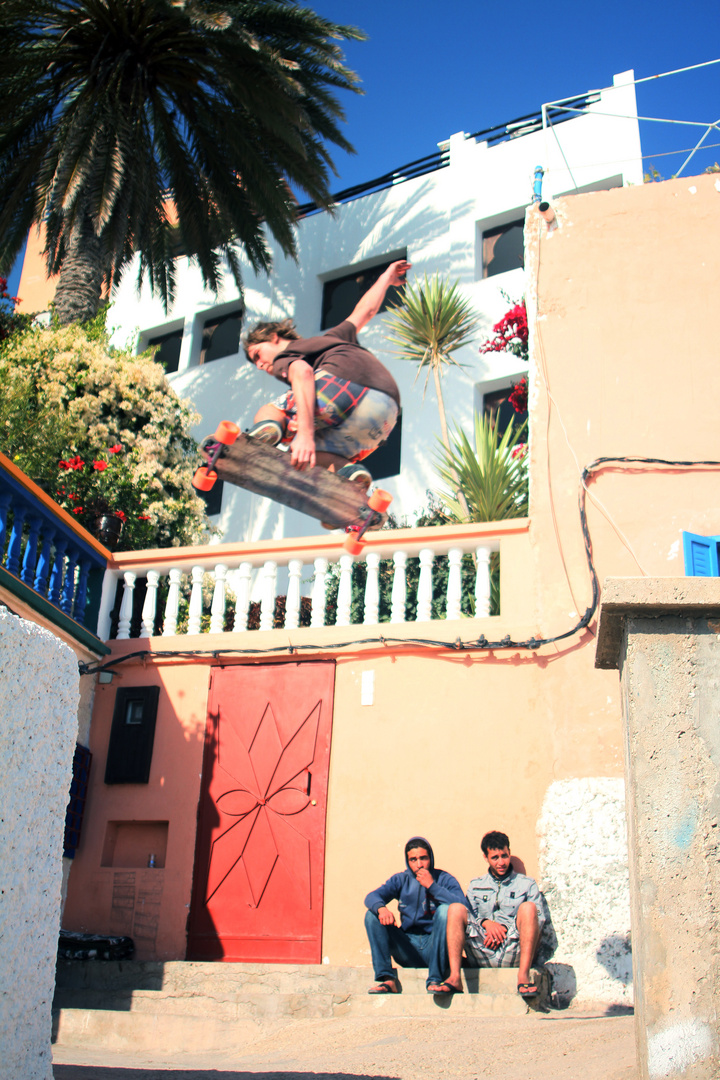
(247, 463)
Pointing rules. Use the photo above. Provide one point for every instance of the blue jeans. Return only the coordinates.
(388, 943)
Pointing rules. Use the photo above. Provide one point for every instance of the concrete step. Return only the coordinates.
(196, 1006)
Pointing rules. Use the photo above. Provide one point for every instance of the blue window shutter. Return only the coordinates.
(701, 555)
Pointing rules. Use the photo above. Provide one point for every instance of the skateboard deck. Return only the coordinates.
(265, 470)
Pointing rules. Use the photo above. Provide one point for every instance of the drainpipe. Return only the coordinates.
(537, 184)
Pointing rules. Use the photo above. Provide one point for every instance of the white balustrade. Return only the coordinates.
(257, 575)
(196, 600)
(150, 604)
(172, 604)
(126, 607)
(217, 609)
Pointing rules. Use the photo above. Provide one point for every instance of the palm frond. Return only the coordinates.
(492, 474)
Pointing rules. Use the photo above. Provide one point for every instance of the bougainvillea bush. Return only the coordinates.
(511, 336)
(68, 397)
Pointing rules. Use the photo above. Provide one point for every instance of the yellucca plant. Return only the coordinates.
(493, 473)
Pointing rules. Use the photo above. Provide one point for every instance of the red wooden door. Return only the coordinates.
(259, 861)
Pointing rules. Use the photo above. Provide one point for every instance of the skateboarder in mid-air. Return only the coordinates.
(342, 403)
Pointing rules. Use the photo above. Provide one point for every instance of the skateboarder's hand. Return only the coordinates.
(302, 451)
(397, 272)
(386, 916)
(495, 934)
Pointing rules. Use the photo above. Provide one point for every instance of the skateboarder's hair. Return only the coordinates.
(284, 329)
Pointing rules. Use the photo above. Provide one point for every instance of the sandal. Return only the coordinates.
(390, 986)
(528, 990)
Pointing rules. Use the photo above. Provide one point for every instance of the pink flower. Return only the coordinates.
(100, 465)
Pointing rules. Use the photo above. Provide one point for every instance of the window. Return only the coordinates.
(503, 248)
(82, 761)
(221, 337)
(132, 735)
(342, 294)
(496, 405)
(385, 461)
(168, 353)
(701, 555)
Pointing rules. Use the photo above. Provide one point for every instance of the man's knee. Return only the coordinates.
(527, 916)
(270, 412)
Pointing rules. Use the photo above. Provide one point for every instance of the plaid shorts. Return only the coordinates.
(506, 955)
(350, 420)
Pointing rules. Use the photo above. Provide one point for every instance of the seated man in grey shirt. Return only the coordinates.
(502, 927)
(342, 401)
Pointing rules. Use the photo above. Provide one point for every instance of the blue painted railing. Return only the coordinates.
(44, 548)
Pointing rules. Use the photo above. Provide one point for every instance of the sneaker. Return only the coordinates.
(267, 431)
(357, 474)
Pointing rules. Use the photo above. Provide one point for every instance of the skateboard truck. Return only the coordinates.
(225, 435)
(378, 503)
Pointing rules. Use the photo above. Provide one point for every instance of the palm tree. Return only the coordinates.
(433, 322)
(163, 127)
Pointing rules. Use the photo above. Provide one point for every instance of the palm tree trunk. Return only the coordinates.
(446, 440)
(79, 290)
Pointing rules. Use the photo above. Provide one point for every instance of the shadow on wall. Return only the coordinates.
(615, 955)
(563, 982)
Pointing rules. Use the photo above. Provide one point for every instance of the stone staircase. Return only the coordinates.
(188, 1006)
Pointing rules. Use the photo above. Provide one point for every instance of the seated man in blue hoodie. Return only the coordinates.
(423, 894)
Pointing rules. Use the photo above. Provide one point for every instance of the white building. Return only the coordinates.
(459, 213)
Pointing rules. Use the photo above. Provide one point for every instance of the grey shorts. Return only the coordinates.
(478, 955)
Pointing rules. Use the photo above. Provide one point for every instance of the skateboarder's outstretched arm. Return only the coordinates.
(370, 302)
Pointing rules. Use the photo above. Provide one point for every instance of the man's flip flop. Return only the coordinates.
(384, 988)
(528, 990)
(446, 988)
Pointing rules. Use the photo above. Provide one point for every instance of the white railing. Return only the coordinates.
(189, 591)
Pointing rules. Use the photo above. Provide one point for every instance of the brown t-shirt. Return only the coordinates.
(337, 351)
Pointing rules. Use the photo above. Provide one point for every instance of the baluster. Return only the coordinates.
(27, 574)
(5, 500)
(482, 583)
(150, 604)
(43, 566)
(66, 600)
(56, 574)
(454, 587)
(244, 574)
(424, 605)
(292, 602)
(371, 611)
(318, 592)
(81, 592)
(172, 603)
(196, 600)
(267, 595)
(344, 598)
(217, 610)
(12, 560)
(399, 587)
(126, 607)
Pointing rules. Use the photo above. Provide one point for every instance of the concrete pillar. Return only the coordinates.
(663, 635)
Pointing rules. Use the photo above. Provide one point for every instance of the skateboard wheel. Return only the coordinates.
(204, 479)
(379, 500)
(227, 432)
(352, 545)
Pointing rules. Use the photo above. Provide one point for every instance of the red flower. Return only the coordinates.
(75, 463)
(519, 397)
(63, 465)
(77, 510)
(520, 450)
(116, 449)
(100, 465)
(143, 517)
(120, 514)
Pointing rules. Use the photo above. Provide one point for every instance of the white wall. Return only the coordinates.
(38, 724)
(438, 219)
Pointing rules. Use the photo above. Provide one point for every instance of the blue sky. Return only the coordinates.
(434, 67)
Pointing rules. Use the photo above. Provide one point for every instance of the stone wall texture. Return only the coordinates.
(38, 724)
(584, 877)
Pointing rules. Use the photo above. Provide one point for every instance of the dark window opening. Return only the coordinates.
(132, 735)
(221, 337)
(342, 294)
(385, 461)
(497, 407)
(212, 498)
(503, 248)
(78, 795)
(168, 353)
